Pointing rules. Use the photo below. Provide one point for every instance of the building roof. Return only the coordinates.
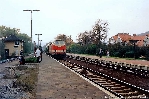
(137, 37)
(12, 38)
(124, 36)
(140, 39)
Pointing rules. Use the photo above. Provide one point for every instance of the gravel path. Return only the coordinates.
(57, 82)
(2, 66)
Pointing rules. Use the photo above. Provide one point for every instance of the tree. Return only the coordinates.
(6, 31)
(95, 37)
(2, 46)
(68, 40)
(84, 38)
(27, 42)
(100, 30)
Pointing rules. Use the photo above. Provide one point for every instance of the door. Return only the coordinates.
(7, 53)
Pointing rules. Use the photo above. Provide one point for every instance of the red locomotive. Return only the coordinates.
(57, 49)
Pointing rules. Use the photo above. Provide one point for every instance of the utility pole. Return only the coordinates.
(38, 38)
(31, 24)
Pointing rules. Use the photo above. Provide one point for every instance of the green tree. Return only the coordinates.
(95, 37)
(27, 42)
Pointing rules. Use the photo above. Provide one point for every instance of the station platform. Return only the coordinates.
(55, 81)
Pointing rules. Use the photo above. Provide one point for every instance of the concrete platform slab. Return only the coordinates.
(57, 82)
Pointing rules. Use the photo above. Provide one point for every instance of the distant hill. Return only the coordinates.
(146, 33)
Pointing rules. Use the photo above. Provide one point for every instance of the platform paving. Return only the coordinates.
(57, 82)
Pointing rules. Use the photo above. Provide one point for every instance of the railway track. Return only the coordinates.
(96, 71)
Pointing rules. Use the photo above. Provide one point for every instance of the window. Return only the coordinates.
(16, 42)
(59, 42)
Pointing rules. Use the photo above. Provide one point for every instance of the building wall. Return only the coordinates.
(12, 49)
(146, 41)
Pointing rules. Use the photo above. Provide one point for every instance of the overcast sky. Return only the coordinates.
(71, 17)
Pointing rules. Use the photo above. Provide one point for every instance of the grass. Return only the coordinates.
(28, 80)
(117, 57)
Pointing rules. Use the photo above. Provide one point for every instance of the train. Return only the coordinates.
(56, 49)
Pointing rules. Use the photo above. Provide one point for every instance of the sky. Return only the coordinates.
(71, 17)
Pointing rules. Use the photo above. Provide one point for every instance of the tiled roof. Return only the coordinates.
(12, 38)
(123, 36)
(137, 37)
(126, 37)
(140, 38)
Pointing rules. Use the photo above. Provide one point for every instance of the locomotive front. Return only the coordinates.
(58, 49)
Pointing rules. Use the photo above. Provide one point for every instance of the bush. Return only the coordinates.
(116, 54)
(129, 54)
(31, 60)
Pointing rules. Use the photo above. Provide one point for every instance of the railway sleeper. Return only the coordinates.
(103, 81)
(107, 85)
(117, 85)
(132, 93)
(122, 91)
(139, 96)
(95, 79)
(118, 90)
(121, 87)
(115, 88)
(113, 83)
(92, 75)
(76, 68)
(127, 89)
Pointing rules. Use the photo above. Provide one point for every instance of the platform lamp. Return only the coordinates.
(31, 23)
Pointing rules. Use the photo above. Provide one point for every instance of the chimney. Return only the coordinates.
(134, 34)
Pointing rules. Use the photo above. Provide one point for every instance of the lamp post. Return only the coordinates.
(40, 42)
(31, 23)
(38, 38)
(134, 46)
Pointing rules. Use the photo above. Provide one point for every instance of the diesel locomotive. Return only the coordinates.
(57, 49)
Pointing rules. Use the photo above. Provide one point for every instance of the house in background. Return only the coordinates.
(13, 46)
(123, 38)
(140, 39)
